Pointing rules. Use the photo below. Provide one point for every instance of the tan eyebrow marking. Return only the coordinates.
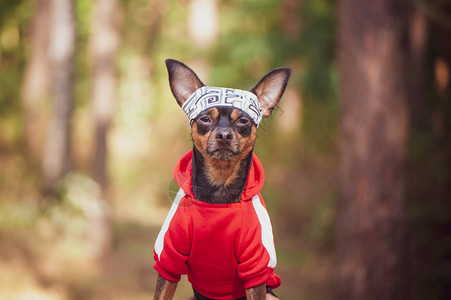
(235, 114)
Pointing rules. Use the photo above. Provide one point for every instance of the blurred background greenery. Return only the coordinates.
(88, 236)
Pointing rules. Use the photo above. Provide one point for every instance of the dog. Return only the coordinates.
(218, 231)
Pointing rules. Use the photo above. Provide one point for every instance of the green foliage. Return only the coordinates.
(244, 51)
(13, 18)
(7, 9)
(82, 85)
(317, 45)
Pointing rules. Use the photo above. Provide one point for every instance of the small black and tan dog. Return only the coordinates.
(218, 231)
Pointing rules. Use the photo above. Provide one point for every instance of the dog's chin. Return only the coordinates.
(222, 154)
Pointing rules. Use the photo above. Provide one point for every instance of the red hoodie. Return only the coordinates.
(224, 248)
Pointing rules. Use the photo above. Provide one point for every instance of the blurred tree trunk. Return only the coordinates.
(203, 31)
(104, 44)
(203, 22)
(417, 68)
(103, 49)
(291, 23)
(418, 34)
(373, 132)
(156, 13)
(36, 80)
(62, 44)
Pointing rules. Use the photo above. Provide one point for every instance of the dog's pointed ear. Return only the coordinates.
(182, 79)
(270, 89)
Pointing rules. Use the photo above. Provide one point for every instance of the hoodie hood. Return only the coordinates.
(183, 172)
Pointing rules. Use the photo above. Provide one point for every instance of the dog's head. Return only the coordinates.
(224, 121)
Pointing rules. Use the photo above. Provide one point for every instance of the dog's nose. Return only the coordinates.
(224, 135)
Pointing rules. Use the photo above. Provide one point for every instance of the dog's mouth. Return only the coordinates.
(222, 153)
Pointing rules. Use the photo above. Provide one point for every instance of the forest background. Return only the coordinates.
(357, 156)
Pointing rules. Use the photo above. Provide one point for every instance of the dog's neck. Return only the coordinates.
(218, 181)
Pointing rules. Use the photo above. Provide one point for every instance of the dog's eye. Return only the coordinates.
(205, 119)
(243, 121)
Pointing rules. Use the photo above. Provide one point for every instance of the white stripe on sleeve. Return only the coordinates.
(159, 243)
(267, 236)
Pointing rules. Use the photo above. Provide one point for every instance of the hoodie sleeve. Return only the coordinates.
(256, 254)
(172, 245)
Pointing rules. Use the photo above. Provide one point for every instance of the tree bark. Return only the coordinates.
(62, 44)
(36, 81)
(373, 133)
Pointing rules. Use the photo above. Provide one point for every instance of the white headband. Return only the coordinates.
(207, 97)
